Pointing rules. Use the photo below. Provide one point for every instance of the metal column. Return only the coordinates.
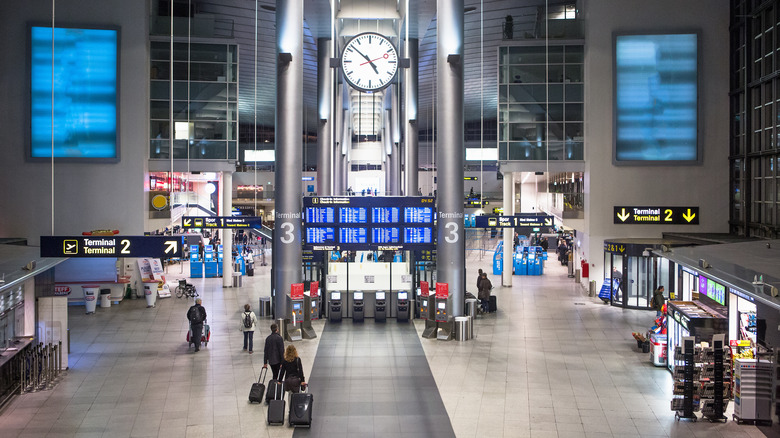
(289, 157)
(411, 182)
(450, 247)
(338, 123)
(227, 235)
(325, 149)
(509, 233)
(395, 139)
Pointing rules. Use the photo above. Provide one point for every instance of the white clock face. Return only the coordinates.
(369, 62)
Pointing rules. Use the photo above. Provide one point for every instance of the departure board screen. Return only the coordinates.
(385, 235)
(418, 215)
(385, 215)
(320, 215)
(353, 235)
(418, 235)
(320, 235)
(353, 215)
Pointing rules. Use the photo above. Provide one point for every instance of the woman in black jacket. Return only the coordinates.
(292, 370)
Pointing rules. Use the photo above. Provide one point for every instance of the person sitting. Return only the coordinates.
(484, 293)
(291, 372)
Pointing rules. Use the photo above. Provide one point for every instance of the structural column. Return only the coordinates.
(395, 139)
(338, 133)
(289, 156)
(411, 181)
(450, 246)
(227, 235)
(509, 233)
(325, 149)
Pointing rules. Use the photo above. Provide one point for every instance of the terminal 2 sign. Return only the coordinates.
(656, 215)
(111, 246)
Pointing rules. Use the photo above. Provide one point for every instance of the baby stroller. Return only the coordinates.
(204, 337)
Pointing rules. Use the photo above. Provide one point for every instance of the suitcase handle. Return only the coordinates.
(262, 376)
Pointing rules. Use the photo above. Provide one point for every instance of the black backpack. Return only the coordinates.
(196, 316)
(247, 320)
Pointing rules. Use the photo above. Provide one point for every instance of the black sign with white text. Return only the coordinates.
(159, 247)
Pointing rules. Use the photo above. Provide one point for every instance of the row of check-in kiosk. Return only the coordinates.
(359, 305)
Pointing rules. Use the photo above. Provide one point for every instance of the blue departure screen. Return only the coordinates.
(353, 215)
(384, 215)
(319, 215)
(385, 235)
(320, 235)
(418, 235)
(656, 97)
(418, 215)
(353, 235)
(85, 93)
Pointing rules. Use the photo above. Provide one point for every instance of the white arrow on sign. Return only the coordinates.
(171, 247)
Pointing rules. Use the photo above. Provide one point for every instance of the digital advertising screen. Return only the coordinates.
(81, 108)
(656, 98)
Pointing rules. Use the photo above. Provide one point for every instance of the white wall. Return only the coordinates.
(86, 196)
(606, 186)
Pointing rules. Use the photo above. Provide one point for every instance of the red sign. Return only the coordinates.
(61, 291)
(314, 289)
(442, 291)
(424, 291)
(296, 291)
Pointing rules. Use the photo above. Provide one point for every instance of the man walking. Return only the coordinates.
(248, 326)
(274, 351)
(197, 316)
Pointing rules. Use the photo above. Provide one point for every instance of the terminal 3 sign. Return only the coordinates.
(159, 247)
(656, 215)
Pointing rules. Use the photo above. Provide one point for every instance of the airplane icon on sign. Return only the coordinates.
(70, 246)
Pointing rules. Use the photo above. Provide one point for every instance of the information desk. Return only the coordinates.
(691, 318)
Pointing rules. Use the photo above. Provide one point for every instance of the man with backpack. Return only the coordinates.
(197, 317)
(248, 326)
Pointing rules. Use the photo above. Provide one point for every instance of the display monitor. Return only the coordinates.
(418, 235)
(385, 235)
(403, 295)
(353, 215)
(208, 248)
(353, 235)
(418, 215)
(442, 306)
(76, 119)
(384, 215)
(380, 295)
(296, 306)
(319, 215)
(320, 235)
(656, 99)
(335, 295)
(358, 295)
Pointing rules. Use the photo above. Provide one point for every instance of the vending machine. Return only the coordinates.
(403, 306)
(380, 306)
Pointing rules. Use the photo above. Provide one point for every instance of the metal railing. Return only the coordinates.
(40, 367)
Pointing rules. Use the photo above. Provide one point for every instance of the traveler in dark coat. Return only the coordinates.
(658, 301)
(479, 279)
(197, 317)
(292, 370)
(484, 292)
(274, 351)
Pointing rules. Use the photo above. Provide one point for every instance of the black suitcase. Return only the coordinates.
(258, 389)
(492, 305)
(276, 407)
(274, 387)
(300, 409)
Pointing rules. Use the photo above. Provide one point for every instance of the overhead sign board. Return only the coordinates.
(235, 222)
(159, 247)
(523, 220)
(656, 215)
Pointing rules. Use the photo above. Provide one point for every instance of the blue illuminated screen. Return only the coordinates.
(353, 235)
(85, 93)
(320, 235)
(656, 97)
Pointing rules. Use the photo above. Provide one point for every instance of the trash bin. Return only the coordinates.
(105, 297)
(658, 349)
(265, 307)
(281, 324)
(471, 307)
(150, 293)
(237, 282)
(90, 297)
(592, 288)
(463, 330)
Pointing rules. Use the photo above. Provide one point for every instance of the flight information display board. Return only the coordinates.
(366, 223)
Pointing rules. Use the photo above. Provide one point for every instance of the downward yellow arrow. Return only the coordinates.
(623, 215)
(689, 216)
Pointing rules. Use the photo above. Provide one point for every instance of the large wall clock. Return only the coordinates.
(369, 62)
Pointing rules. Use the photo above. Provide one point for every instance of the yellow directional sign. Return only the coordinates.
(656, 215)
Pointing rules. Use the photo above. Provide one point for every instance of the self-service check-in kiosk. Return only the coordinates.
(294, 332)
(196, 264)
(358, 307)
(402, 307)
(427, 311)
(334, 309)
(311, 310)
(380, 306)
(443, 323)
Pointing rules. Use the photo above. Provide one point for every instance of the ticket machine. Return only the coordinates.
(294, 332)
(311, 310)
(427, 311)
(358, 307)
(380, 306)
(403, 306)
(196, 264)
(422, 300)
(334, 309)
(443, 323)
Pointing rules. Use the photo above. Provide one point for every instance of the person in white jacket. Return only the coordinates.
(248, 326)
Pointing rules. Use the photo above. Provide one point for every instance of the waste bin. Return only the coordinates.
(150, 293)
(265, 307)
(281, 324)
(471, 307)
(237, 282)
(592, 288)
(463, 328)
(105, 297)
(90, 297)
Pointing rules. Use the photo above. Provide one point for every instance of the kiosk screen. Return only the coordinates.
(380, 295)
(403, 295)
(442, 306)
(296, 306)
(358, 295)
(335, 295)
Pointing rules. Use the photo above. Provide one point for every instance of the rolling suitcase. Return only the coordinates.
(492, 305)
(258, 389)
(300, 409)
(274, 387)
(276, 407)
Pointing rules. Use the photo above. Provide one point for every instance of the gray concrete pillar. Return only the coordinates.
(509, 233)
(289, 155)
(450, 247)
(227, 235)
(395, 139)
(338, 123)
(411, 161)
(325, 149)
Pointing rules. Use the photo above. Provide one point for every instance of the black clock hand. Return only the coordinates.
(368, 60)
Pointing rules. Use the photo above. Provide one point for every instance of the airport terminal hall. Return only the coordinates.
(390, 218)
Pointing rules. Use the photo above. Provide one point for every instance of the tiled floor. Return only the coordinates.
(551, 363)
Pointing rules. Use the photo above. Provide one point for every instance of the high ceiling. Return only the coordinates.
(483, 33)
